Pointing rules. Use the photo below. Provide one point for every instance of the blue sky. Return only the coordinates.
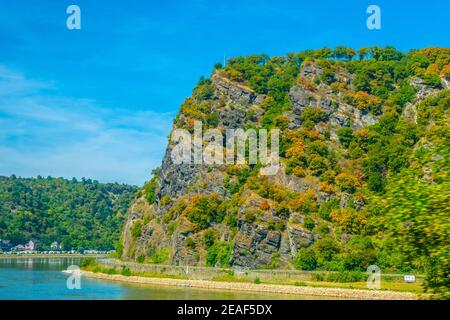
(99, 102)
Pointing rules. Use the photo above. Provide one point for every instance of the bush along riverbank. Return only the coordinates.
(313, 284)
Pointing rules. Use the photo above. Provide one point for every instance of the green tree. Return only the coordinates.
(306, 259)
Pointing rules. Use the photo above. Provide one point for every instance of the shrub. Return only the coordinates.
(437, 277)
(119, 248)
(326, 208)
(432, 79)
(136, 230)
(375, 182)
(317, 164)
(202, 210)
(328, 176)
(150, 190)
(306, 259)
(165, 200)
(204, 89)
(360, 254)
(326, 248)
(345, 135)
(111, 271)
(218, 66)
(309, 223)
(314, 115)
(446, 72)
(88, 262)
(219, 253)
(364, 101)
(249, 216)
(300, 284)
(349, 220)
(208, 238)
(320, 276)
(346, 276)
(275, 261)
(213, 119)
(190, 243)
(125, 271)
(281, 122)
(161, 255)
(346, 182)
(322, 229)
(172, 227)
(304, 202)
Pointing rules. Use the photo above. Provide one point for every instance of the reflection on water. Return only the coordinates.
(41, 278)
(30, 263)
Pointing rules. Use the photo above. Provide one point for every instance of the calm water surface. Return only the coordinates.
(41, 278)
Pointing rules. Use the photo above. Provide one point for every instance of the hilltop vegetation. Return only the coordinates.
(79, 215)
(364, 178)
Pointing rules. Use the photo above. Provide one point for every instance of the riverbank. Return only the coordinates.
(337, 293)
(327, 279)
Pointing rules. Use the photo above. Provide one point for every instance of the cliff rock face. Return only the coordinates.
(226, 215)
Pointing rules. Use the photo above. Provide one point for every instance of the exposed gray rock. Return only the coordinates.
(344, 202)
(346, 115)
(236, 93)
(311, 70)
(300, 99)
(232, 117)
(359, 204)
(299, 238)
(294, 120)
(255, 246)
(174, 178)
(259, 99)
(410, 113)
(423, 90)
(326, 104)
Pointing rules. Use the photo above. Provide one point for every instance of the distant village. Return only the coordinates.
(30, 248)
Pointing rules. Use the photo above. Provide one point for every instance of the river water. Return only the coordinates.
(42, 279)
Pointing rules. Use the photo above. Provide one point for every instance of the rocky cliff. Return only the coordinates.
(328, 113)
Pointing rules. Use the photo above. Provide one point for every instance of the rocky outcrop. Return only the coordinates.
(341, 114)
(302, 98)
(409, 113)
(181, 179)
(259, 233)
(298, 238)
(423, 90)
(233, 91)
(310, 70)
(255, 246)
(346, 115)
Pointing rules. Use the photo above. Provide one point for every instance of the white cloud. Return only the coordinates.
(14, 83)
(46, 134)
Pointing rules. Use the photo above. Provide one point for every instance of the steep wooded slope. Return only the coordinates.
(364, 176)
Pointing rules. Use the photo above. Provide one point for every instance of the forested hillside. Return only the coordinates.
(79, 215)
(364, 177)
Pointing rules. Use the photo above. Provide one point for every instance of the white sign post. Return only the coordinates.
(409, 278)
